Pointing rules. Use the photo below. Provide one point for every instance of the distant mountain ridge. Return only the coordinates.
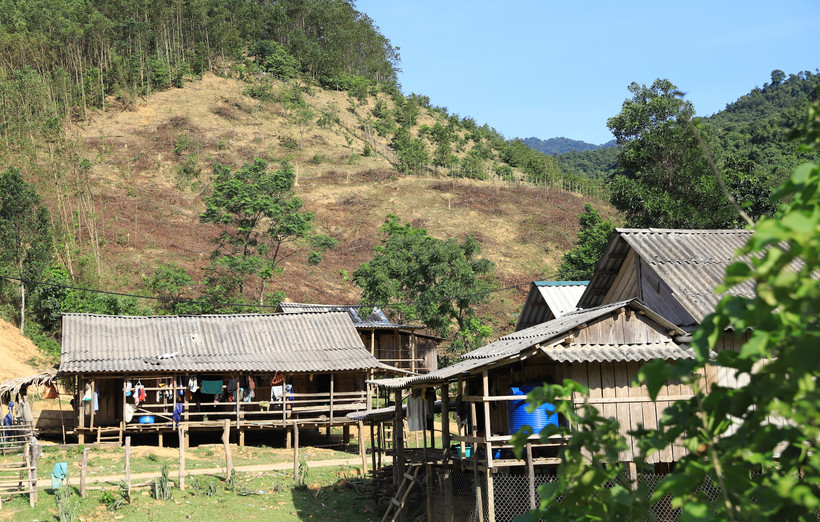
(563, 145)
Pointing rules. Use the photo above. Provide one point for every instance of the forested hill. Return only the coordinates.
(753, 130)
(562, 145)
(126, 126)
(61, 57)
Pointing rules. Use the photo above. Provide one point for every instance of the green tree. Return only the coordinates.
(170, 283)
(25, 232)
(259, 215)
(663, 177)
(759, 440)
(411, 153)
(580, 262)
(424, 278)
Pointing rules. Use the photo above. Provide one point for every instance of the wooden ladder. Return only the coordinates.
(109, 436)
(403, 492)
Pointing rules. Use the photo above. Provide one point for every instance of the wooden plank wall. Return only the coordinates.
(625, 285)
(609, 382)
(657, 295)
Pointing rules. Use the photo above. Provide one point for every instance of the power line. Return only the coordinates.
(248, 305)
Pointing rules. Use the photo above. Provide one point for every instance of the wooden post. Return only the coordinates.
(398, 441)
(633, 476)
(93, 391)
(226, 441)
(187, 405)
(362, 449)
(429, 481)
(488, 432)
(239, 413)
(295, 450)
(479, 504)
(332, 386)
(78, 404)
(128, 464)
(460, 394)
(445, 416)
(413, 353)
(531, 475)
(36, 453)
(181, 458)
(488, 474)
(62, 418)
(32, 474)
(284, 398)
(373, 448)
(83, 467)
(160, 439)
(124, 405)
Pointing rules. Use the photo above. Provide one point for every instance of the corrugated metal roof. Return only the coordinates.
(376, 319)
(618, 353)
(549, 299)
(691, 262)
(315, 342)
(512, 345)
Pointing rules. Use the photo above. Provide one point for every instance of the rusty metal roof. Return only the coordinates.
(549, 299)
(312, 342)
(541, 336)
(691, 262)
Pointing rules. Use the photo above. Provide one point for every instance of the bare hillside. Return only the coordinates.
(19, 357)
(148, 170)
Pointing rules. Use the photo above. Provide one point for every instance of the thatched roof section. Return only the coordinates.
(13, 386)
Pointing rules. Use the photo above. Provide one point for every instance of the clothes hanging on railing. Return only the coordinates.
(212, 387)
(416, 413)
(178, 410)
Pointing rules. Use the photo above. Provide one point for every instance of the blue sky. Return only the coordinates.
(549, 69)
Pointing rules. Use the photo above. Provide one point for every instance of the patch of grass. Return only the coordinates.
(328, 495)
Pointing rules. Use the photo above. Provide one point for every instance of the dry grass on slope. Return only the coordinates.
(151, 171)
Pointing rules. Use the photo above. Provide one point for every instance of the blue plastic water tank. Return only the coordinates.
(517, 415)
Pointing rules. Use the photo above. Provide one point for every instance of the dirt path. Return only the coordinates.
(137, 478)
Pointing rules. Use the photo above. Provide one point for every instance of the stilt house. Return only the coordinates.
(261, 372)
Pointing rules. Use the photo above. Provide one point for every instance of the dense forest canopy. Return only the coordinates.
(57, 58)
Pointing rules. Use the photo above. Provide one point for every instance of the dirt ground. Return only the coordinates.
(18, 355)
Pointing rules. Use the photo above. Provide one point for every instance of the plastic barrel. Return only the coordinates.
(518, 416)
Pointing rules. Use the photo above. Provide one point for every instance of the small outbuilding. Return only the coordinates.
(401, 345)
